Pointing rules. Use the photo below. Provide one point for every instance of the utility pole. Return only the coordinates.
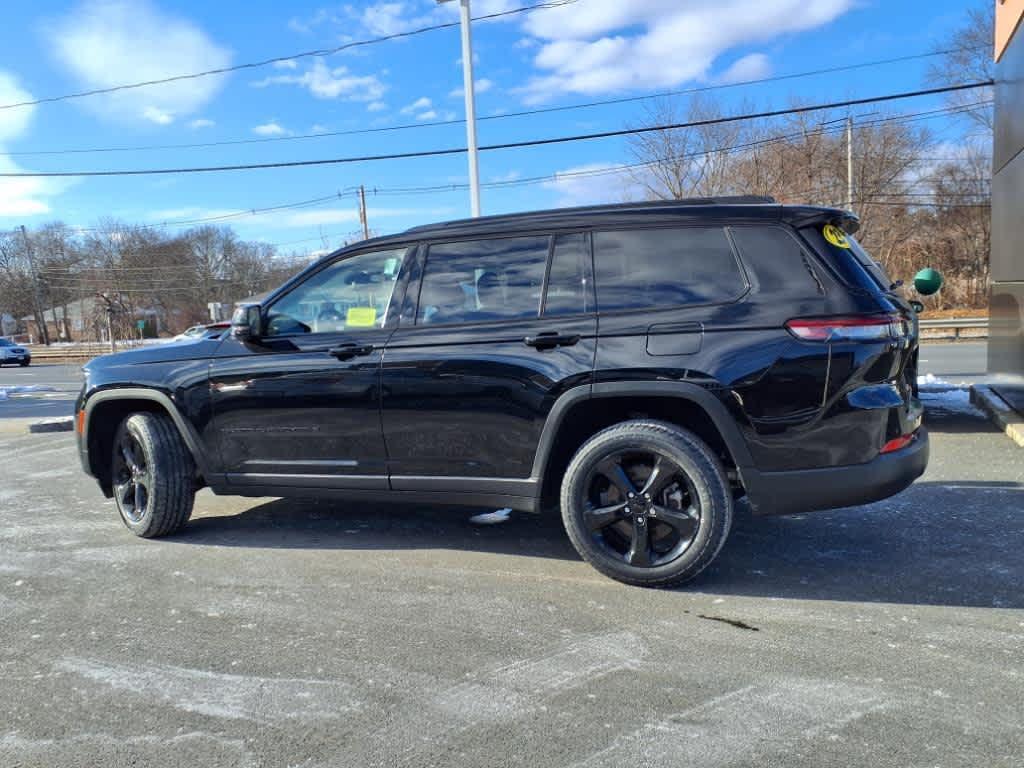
(37, 294)
(363, 219)
(469, 90)
(849, 162)
(110, 319)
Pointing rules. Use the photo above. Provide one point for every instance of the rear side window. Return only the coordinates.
(481, 280)
(654, 268)
(776, 264)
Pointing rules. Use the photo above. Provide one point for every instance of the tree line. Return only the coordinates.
(130, 272)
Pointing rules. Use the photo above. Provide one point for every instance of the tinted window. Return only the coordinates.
(568, 291)
(638, 269)
(854, 265)
(776, 264)
(353, 293)
(481, 280)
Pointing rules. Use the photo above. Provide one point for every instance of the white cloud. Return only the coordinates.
(751, 67)
(202, 122)
(103, 43)
(505, 177)
(526, 42)
(645, 44)
(483, 85)
(286, 64)
(157, 116)
(419, 105)
(346, 215)
(331, 83)
(428, 115)
(592, 184)
(25, 196)
(318, 128)
(271, 128)
(376, 106)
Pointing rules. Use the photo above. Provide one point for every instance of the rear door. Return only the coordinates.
(500, 327)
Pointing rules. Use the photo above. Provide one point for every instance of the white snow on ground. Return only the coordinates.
(24, 389)
(937, 394)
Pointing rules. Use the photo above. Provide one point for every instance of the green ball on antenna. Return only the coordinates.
(928, 281)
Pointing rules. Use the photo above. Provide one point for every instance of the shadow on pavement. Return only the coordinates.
(935, 544)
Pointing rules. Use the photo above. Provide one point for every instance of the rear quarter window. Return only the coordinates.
(658, 268)
(776, 262)
(853, 265)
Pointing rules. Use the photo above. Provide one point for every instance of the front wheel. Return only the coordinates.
(647, 503)
(152, 475)
(24, 363)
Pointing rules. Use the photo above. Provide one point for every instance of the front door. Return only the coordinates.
(301, 405)
(478, 361)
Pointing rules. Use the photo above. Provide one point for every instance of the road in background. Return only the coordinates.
(956, 362)
(61, 382)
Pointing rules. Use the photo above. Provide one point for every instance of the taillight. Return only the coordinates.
(898, 442)
(849, 328)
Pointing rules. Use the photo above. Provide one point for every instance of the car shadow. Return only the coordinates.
(955, 543)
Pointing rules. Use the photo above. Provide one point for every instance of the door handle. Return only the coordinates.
(552, 339)
(348, 351)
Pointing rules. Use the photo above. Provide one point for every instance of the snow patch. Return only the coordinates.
(24, 389)
(491, 518)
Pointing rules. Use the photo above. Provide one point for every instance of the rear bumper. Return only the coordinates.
(807, 490)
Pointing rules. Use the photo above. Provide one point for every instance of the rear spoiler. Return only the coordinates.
(848, 221)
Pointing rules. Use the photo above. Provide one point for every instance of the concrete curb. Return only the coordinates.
(1005, 417)
(58, 424)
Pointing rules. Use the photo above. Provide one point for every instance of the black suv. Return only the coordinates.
(638, 366)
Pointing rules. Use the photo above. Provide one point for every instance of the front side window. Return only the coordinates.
(350, 294)
(655, 268)
(483, 280)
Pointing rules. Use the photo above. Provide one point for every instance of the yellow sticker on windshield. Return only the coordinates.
(361, 317)
(836, 236)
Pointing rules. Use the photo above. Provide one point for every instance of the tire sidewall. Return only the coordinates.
(713, 498)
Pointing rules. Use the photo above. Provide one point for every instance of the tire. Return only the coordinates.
(685, 523)
(24, 363)
(148, 451)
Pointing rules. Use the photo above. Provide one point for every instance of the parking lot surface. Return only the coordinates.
(291, 633)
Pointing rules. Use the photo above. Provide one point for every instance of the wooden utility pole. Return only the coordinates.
(363, 219)
(36, 292)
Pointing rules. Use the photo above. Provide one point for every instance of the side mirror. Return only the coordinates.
(917, 306)
(246, 322)
(928, 281)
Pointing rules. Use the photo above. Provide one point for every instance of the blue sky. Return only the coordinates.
(586, 51)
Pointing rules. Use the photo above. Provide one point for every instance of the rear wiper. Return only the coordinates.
(897, 284)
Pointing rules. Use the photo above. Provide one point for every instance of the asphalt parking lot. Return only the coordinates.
(284, 633)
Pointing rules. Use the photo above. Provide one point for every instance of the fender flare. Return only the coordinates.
(185, 429)
(700, 396)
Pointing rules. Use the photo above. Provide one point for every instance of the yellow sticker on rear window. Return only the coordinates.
(836, 236)
(361, 317)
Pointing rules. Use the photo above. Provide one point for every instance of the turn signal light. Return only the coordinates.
(848, 328)
(80, 422)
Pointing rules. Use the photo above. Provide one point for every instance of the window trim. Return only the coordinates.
(390, 320)
(723, 227)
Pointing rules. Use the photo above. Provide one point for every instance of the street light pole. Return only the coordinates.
(470, 93)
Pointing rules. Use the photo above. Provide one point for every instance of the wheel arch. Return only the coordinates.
(583, 411)
(104, 412)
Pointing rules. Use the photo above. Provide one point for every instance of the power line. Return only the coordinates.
(507, 145)
(266, 62)
(503, 116)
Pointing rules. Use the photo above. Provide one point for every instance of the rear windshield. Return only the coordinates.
(847, 257)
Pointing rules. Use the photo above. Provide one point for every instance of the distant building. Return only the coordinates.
(85, 320)
(1006, 303)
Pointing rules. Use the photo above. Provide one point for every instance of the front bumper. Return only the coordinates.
(808, 490)
(12, 358)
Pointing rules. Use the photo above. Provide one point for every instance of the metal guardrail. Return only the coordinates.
(956, 325)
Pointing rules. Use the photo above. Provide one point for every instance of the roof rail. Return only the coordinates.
(561, 212)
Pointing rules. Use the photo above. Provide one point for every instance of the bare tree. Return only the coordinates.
(968, 59)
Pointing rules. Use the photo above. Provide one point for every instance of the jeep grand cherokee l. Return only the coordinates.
(636, 367)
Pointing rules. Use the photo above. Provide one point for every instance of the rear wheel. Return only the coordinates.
(24, 363)
(647, 503)
(152, 475)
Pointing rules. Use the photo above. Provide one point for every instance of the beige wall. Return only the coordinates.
(1009, 14)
